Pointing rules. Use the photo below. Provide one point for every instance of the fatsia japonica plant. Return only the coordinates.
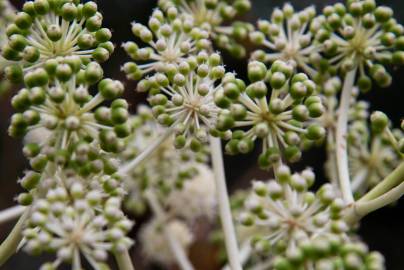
(97, 162)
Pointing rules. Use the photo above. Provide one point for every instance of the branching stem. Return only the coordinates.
(123, 260)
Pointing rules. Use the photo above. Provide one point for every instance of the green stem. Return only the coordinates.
(123, 260)
(9, 247)
(392, 180)
(224, 205)
(361, 209)
(341, 137)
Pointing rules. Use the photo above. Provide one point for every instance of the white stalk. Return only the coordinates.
(341, 137)
(11, 213)
(177, 250)
(123, 260)
(224, 205)
(245, 253)
(126, 168)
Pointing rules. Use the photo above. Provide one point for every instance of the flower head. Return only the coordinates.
(183, 98)
(287, 36)
(7, 13)
(213, 16)
(170, 39)
(289, 214)
(371, 155)
(154, 244)
(48, 30)
(57, 98)
(76, 217)
(361, 36)
(280, 118)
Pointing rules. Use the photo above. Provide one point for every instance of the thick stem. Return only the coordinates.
(341, 137)
(9, 247)
(224, 205)
(123, 260)
(392, 180)
(361, 209)
(177, 250)
(11, 213)
(147, 152)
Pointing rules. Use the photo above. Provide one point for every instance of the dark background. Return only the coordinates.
(383, 230)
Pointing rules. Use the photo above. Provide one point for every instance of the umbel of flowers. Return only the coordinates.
(277, 107)
(287, 37)
(184, 98)
(7, 13)
(170, 37)
(76, 219)
(57, 99)
(46, 30)
(214, 17)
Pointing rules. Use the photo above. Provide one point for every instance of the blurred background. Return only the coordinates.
(382, 231)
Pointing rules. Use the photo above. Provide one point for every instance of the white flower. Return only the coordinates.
(197, 197)
(154, 244)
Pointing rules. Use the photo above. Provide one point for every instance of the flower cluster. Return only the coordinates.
(184, 98)
(166, 170)
(325, 253)
(289, 214)
(280, 117)
(154, 244)
(49, 30)
(213, 16)
(361, 36)
(288, 38)
(371, 154)
(171, 39)
(76, 222)
(57, 98)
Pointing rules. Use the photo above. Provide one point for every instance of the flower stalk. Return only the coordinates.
(9, 247)
(224, 205)
(341, 137)
(123, 260)
(11, 213)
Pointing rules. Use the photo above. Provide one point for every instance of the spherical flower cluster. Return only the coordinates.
(47, 30)
(280, 117)
(371, 155)
(290, 214)
(183, 98)
(361, 36)
(213, 16)
(76, 223)
(57, 98)
(170, 39)
(154, 244)
(288, 38)
(197, 198)
(166, 170)
(326, 253)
